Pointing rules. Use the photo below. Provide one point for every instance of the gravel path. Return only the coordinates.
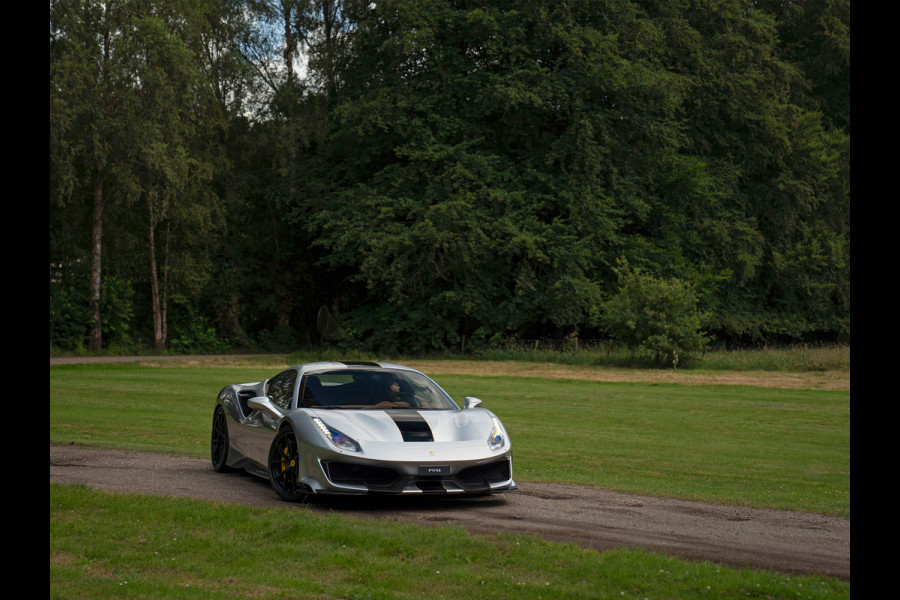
(773, 540)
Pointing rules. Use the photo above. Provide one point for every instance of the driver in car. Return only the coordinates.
(400, 398)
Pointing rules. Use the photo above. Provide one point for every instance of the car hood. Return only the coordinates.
(399, 425)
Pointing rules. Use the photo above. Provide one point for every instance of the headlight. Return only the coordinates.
(495, 440)
(341, 441)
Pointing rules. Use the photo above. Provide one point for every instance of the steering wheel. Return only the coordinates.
(405, 397)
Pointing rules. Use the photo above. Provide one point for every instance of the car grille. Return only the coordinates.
(488, 473)
(353, 474)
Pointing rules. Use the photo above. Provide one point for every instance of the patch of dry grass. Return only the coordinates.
(819, 380)
(813, 380)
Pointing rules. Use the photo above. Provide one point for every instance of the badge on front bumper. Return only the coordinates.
(434, 470)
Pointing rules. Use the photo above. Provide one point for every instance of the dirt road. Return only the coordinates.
(594, 518)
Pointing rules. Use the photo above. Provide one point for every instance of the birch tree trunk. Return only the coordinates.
(96, 339)
(158, 297)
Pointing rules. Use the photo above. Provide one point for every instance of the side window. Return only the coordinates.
(281, 389)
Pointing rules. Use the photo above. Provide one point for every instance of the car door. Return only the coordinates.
(260, 429)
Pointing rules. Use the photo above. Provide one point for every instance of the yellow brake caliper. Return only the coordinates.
(286, 452)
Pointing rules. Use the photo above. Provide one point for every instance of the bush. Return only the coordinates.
(116, 311)
(70, 314)
(194, 334)
(658, 317)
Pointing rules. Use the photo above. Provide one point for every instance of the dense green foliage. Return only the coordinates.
(447, 173)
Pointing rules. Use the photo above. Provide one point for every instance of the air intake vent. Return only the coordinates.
(353, 474)
(495, 472)
(413, 427)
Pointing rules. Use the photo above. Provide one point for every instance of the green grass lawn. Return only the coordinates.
(106, 545)
(743, 445)
(739, 445)
(762, 447)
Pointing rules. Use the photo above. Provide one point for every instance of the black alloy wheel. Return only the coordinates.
(284, 466)
(219, 442)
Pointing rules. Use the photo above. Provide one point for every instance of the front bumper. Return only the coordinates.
(346, 473)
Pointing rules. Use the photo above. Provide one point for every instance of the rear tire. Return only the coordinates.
(284, 466)
(219, 444)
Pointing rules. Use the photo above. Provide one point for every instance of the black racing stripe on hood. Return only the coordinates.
(412, 427)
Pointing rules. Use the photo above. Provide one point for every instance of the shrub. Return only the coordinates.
(655, 316)
(69, 306)
(70, 314)
(194, 333)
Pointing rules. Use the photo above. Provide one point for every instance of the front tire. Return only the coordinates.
(284, 466)
(219, 445)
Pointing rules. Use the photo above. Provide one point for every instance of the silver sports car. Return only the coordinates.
(357, 428)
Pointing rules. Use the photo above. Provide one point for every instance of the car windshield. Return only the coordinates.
(371, 389)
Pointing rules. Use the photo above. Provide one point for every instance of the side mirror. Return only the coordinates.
(472, 402)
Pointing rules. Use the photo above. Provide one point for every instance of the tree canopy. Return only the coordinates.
(447, 172)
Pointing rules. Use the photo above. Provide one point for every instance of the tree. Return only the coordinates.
(166, 170)
(89, 84)
(483, 163)
(761, 171)
(448, 170)
(124, 78)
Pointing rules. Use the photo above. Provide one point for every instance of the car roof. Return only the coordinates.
(338, 365)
